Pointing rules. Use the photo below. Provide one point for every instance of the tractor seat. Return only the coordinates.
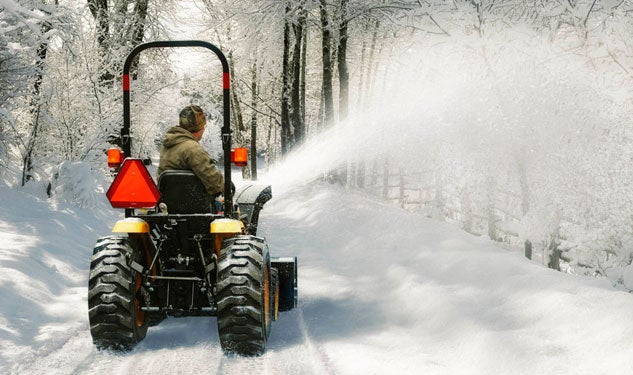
(183, 193)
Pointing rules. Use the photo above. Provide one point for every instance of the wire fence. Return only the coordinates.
(495, 213)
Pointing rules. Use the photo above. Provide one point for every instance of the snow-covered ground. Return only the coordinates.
(382, 291)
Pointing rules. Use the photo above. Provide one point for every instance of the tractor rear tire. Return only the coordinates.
(116, 320)
(243, 292)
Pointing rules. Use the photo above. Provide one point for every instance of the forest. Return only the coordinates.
(509, 118)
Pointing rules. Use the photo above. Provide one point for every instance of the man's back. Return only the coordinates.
(181, 150)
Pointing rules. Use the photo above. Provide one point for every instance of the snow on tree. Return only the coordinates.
(515, 114)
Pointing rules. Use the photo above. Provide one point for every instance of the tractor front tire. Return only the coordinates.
(243, 292)
(116, 320)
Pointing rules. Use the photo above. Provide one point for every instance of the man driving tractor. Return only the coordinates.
(181, 150)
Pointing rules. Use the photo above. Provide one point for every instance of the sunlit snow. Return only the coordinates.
(382, 290)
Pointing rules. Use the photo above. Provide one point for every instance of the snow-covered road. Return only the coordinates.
(382, 291)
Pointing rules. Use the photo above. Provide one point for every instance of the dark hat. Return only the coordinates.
(192, 118)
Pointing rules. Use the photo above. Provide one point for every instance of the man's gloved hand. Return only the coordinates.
(222, 193)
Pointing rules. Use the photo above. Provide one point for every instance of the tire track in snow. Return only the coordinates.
(238, 365)
(305, 357)
(321, 363)
(79, 356)
(62, 358)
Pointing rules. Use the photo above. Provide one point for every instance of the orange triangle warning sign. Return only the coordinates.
(133, 187)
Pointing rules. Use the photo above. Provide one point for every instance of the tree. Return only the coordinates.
(33, 24)
(342, 62)
(298, 65)
(254, 93)
(118, 29)
(35, 103)
(286, 135)
(327, 95)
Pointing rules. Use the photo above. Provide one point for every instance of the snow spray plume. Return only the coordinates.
(473, 111)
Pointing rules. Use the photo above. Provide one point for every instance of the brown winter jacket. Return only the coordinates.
(181, 150)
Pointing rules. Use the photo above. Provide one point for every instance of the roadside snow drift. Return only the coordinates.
(381, 290)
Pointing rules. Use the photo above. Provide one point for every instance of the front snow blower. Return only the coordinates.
(177, 254)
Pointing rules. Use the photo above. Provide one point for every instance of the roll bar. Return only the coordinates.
(126, 140)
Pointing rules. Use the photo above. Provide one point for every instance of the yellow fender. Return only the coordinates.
(223, 229)
(131, 225)
(227, 226)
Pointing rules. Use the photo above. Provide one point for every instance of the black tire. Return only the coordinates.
(116, 321)
(243, 292)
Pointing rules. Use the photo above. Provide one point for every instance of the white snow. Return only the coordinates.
(382, 291)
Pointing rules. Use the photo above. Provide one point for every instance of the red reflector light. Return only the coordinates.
(239, 157)
(133, 187)
(115, 158)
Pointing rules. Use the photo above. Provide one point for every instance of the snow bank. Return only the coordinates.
(45, 253)
(387, 291)
(75, 183)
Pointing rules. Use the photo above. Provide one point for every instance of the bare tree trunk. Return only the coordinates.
(304, 56)
(296, 116)
(342, 64)
(236, 108)
(138, 30)
(140, 13)
(27, 160)
(271, 137)
(286, 142)
(254, 119)
(35, 106)
(370, 73)
(99, 11)
(349, 172)
(326, 49)
(361, 79)
(116, 26)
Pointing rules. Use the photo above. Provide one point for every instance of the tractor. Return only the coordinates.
(181, 252)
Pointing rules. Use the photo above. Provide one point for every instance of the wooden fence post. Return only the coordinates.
(374, 175)
(385, 180)
(360, 175)
(401, 195)
(554, 253)
(528, 249)
(439, 195)
(467, 214)
(492, 217)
